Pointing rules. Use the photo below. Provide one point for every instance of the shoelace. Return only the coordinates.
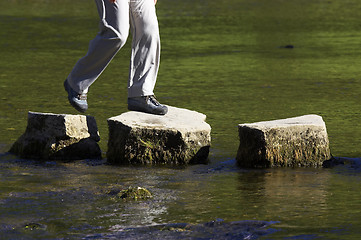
(82, 96)
(153, 100)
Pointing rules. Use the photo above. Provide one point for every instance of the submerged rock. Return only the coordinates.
(354, 163)
(131, 193)
(179, 137)
(211, 230)
(299, 141)
(135, 193)
(58, 137)
(34, 226)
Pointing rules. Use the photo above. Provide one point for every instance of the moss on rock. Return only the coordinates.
(134, 193)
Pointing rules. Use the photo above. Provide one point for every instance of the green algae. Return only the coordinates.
(130, 193)
(34, 226)
(135, 193)
(259, 79)
(222, 58)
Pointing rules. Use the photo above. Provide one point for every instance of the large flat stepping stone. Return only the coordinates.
(58, 137)
(299, 141)
(180, 137)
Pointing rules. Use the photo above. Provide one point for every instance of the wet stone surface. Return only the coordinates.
(131, 193)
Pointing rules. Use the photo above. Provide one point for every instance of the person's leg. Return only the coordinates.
(145, 58)
(114, 28)
(145, 48)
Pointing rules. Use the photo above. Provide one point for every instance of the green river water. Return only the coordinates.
(237, 61)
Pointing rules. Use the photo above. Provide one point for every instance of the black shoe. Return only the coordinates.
(78, 101)
(147, 104)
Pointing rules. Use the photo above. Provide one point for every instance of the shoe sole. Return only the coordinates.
(139, 109)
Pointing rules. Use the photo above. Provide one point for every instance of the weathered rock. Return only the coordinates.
(180, 137)
(58, 137)
(299, 141)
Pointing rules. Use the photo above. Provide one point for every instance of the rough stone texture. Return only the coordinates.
(299, 141)
(180, 137)
(58, 137)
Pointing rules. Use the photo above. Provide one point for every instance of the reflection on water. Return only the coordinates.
(226, 59)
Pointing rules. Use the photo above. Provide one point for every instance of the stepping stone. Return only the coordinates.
(178, 138)
(299, 141)
(58, 137)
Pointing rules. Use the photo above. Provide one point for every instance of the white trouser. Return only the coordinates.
(114, 29)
